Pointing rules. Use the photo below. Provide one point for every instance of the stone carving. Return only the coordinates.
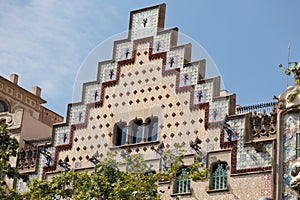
(288, 100)
(27, 159)
(13, 120)
(264, 124)
(295, 174)
(273, 122)
(256, 124)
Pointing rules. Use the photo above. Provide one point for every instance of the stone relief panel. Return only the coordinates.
(247, 156)
(290, 131)
(14, 120)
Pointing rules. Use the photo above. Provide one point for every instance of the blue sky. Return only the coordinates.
(46, 42)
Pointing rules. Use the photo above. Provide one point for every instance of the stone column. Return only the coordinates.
(144, 132)
(127, 134)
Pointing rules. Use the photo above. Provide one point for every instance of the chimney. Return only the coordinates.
(223, 93)
(36, 91)
(14, 78)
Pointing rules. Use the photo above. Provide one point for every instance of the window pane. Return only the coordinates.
(298, 140)
(136, 131)
(297, 153)
(139, 134)
(298, 145)
(120, 134)
(151, 130)
(3, 107)
(154, 129)
(123, 140)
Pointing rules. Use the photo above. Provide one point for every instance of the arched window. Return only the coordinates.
(3, 106)
(219, 176)
(136, 131)
(151, 129)
(183, 183)
(120, 133)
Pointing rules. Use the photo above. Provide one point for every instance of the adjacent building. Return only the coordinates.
(28, 120)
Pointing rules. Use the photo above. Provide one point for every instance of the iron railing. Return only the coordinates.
(256, 107)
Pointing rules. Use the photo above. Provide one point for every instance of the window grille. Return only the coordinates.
(219, 176)
(183, 185)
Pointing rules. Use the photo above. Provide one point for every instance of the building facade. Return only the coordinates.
(151, 95)
(27, 119)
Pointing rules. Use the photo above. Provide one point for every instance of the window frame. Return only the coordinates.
(136, 132)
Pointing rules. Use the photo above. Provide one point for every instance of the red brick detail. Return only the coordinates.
(59, 148)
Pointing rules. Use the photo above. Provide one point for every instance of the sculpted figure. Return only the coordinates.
(265, 119)
(273, 115)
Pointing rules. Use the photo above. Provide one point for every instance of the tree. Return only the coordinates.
(173, 162)
(8, 149)
(108, 182)
(295, 69)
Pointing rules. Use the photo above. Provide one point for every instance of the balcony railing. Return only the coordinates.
(256, 107)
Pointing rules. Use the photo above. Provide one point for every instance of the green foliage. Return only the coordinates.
(197, 172)
(7, 193)
(175, 160)
(295, 70)
(136, 164)
(105, 182)
(292, 70)
(8, 149)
